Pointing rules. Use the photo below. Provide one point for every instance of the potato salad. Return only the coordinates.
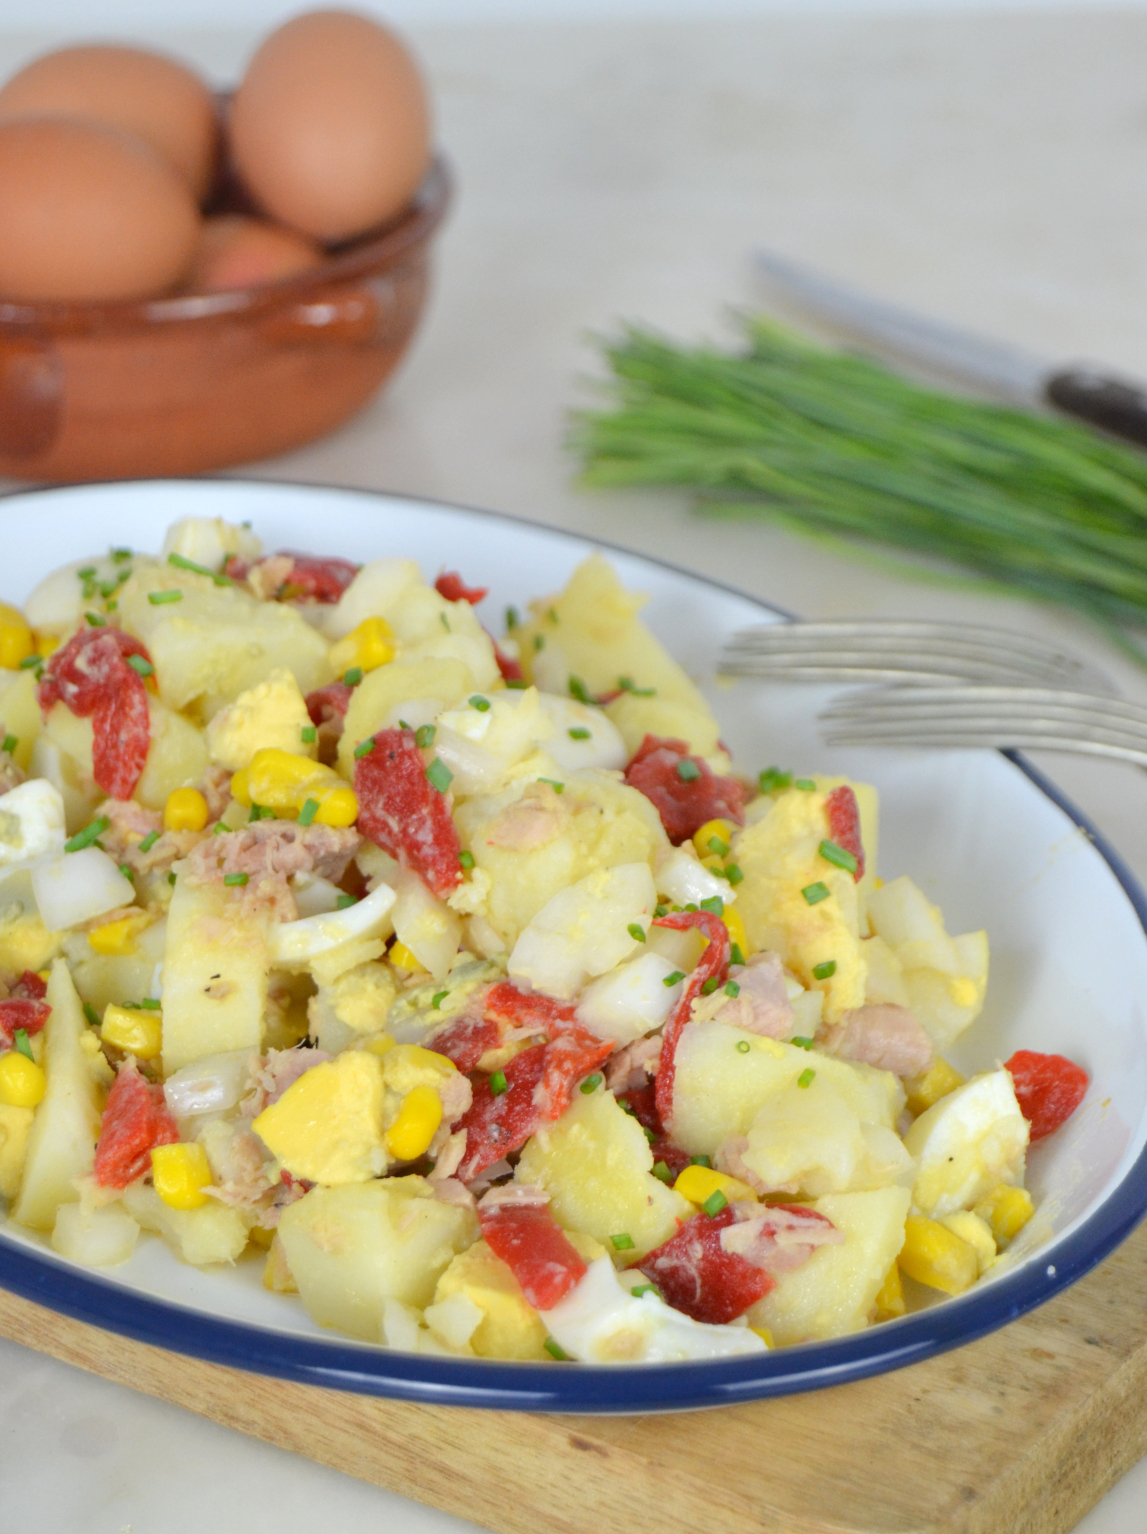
(466, 985)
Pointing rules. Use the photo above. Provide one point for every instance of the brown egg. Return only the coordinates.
(236, 251)
(330, 128)
(89, 212)
(155, 98)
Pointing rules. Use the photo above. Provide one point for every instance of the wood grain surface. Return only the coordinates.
(1019, 1433)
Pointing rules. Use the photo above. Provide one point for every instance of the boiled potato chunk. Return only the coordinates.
(104, 978)
(212, 1233)
(15, 1127)
(596, 1165)
(354, 1247)
(99, 1236)
(20, 713)
(62, 1142)
(636, 717)
(595, 627)
(810, 1140)
(381, 691)
(719, 1088)
(833, 1293)
(944, 978)
(214, 975)
(510, 1326)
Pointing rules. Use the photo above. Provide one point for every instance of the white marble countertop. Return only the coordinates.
(988, 169)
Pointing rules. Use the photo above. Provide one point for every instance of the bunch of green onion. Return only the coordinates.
(833, 445)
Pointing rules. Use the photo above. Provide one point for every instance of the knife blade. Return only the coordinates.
(1116, 405)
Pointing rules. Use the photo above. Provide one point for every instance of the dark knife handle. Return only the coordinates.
(1109, 403)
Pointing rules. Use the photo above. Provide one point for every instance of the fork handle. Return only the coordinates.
(1113, 404)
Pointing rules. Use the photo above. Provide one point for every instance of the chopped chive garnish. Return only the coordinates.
(554, 784)
(88, 573)
(710, 985)
(578, 732)
(591, 1083)
(733, 874)
(715, 1203)
(715, 844)
(700, 1161)
(10, 743)
(20, 1041)
(125, 869)
(438, 998)
(189, 564)
(31, 661)
(352, 676)
(94, 620)
(445, 621)
(661, 1171)
(233, 880)
(824, 971)
(659, 911)
(498, 1083)
(555, 1350)
(171, 880)
(424, 735)
(517, 684)
(579, 690)
(714, 905)
(87, 837)
(466, 859)
(151, 1004)
(113, 605)
(648, 1133)
(402, 725)
(512, 618)
(440, 775)
(480, 703)
(805, 1079)
(219, 829)
(678, 974)
(364, 748)
(735, 954)
(552, 614)
(91, 1014)
(158, 598)
(622, 1242)
(647, 1288)
(690, 908)
(801, 1042)
(636, 931)
(742, 1046)
(132, 1006)
(138, 664)
(806, 783)
(308, 812)
(839, 856)
(772, 780)
(627, 684)
(308, 734)
(815, 893)
(539, 641)
(119, 555)
(688, 771)
(256, 812)
(732, 989)
(149, 841)
(344, 902)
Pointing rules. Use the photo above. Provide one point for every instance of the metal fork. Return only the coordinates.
(957, 716)
(905, 650)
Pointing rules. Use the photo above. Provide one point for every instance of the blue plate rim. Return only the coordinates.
(586, 1389)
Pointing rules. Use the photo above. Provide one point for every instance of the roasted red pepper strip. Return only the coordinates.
(695, 1274)
(712, 965)
(22, 1012)
(90, 675)
(466, 1040)
(30, 986)
(497, 1125)
(401, 811)
(642, 1103)
(451, 586)
(135, 1120)
(536, 1250)
(329, 702)
(318, 578)
(844, 824)
(686, 802)
(1049, 1088)
(510, 668)
(527, 1009)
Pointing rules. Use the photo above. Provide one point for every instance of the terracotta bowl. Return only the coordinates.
(182, 384)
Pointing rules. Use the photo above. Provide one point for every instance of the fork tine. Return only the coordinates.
(998, 741)
(1008, 704)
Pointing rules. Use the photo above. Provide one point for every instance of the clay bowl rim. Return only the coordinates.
(367, 255)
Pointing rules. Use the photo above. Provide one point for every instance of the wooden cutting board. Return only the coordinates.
(1019, 1433)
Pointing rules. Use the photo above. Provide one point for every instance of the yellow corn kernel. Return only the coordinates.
(185, 810)
(699, 1183)
(936, 1082)
(15, 637)
(976, 1231)
(180, 1173)
(283, 781)
(381, 1044)
(416, 1125)
(764, 1334)
(1007, 1211)
(44, 642)
(936, 1256)
(889, 1301)
(22, 1081)
(116, 939)
(339, 808)
(735, 926)
(367, 647)
(723, 830)
(402, 958)
(136, 1033)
